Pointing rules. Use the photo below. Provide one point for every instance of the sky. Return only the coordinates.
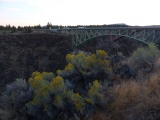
(79, 12)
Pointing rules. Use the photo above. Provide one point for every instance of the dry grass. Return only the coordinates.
(99, 115)
(135, 100)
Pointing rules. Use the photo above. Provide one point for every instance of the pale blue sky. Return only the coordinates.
(79, 12)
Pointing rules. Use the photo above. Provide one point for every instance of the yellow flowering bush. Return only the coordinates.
(69, 92)
(95, 93)
(94, 66)
(75, 88)
(78, 101)
(101, 54)
(58, 101)
(89, 100)
(39, 82)
(49, 92)
(69, 57)
(57, 85)
(85, 69)
(95, 89)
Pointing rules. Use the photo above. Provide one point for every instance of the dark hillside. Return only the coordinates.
(20, 55)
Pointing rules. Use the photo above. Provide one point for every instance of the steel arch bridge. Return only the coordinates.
(143, 34)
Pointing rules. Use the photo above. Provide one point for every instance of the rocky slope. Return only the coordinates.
(22, 54)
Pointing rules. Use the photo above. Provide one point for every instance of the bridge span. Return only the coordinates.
(146, 34)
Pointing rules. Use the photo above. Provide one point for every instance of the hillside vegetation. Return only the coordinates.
(91, 86)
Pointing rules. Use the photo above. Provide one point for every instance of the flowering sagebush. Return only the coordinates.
(87, 66)
(51, 95)
(73, 91)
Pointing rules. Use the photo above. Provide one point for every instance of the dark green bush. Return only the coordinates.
(144, 58)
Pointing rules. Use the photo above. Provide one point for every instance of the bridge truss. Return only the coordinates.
(145, 35)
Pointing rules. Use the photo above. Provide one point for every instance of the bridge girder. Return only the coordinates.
(146, 36)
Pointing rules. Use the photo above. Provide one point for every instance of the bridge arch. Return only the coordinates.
(82, 36)
(87, 40)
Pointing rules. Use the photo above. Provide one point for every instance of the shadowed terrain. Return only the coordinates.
(22, 54)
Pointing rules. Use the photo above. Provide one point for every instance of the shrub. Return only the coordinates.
(144, 58)
(54, 96)
(75, 92)
(51, 96)
(136, 100)
(41, 104)
(13, 100)
(83, 68)
(125, 71)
